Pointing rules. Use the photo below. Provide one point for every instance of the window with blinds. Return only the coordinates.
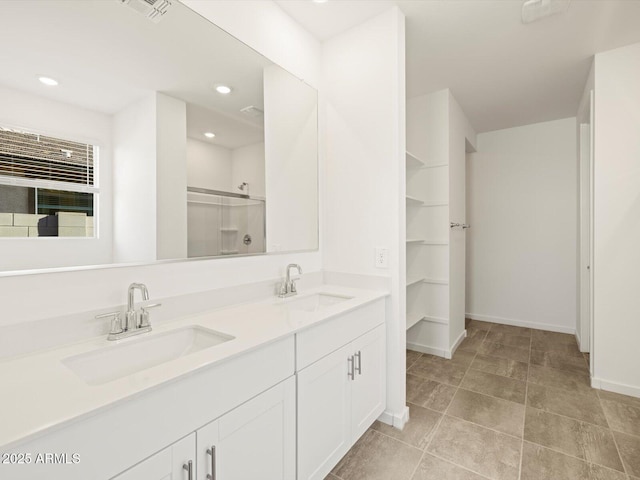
(32, 156)
(47, 186)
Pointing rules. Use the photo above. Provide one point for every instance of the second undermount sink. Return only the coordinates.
(316, 301)
(117, 361)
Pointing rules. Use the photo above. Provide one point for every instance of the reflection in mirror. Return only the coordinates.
(154, 135)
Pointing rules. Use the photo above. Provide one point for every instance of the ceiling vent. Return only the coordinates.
(533, 10)
(251, 111)
(154, 10)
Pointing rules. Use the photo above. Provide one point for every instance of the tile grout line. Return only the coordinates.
(414, 362)
(524, 413)
(613, 436)
(459, 466)
(444, 413)
(574, 457)
(571, 418)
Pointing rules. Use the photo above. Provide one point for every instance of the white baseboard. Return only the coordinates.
(397, 420)
(601, 384)
(457, 343)
(417, 347)
(522, 323)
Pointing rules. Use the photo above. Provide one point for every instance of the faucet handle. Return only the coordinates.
(144, 316)
(116, 321)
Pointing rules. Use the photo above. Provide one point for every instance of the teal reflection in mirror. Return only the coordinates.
(131, 136)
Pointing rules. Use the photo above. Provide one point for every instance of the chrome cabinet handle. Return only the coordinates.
(466, 225)
(189, 468)
(212, 451)
(359, 367)
(351, 373)
(453, 225)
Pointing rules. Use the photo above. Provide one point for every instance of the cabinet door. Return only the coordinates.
(368, 390)
(324, 413)
(167, 464)
(255, 440)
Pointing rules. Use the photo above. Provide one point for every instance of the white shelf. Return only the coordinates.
(414, 281)
(436, 281)
(436, 242)
(229, 230)
(229, 252)
(435, 204)
(413, 319)
(414, 201)
(440, 320)
(413, 161)
(415, 240)
(436, 165)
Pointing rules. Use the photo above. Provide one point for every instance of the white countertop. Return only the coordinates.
(38, 393)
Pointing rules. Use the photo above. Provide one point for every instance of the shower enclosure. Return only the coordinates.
(224, 223)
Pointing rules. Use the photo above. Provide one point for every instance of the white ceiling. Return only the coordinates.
(325, 20)
(502, 72)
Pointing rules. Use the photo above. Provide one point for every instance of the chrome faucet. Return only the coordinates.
(135, 322)
(288, 287)
(131, 317)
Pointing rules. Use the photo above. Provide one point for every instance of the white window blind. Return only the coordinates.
(29, 158)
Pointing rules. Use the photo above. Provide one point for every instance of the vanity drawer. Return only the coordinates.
(316, 342)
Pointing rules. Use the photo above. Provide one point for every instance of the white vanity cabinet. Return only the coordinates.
(256, 440)
(342, 393)
(167, 464)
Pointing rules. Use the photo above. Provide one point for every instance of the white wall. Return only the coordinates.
(364, 125)
(616, 299)
(37, 114)
(208, 165)
(218, 168)
(134, 182)
(521, 248)
(248, 165)
(291, 162)
(171, 177)
(268, 30)
(274, 35)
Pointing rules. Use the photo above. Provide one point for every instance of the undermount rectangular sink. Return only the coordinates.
(117, 361)
(316, 301)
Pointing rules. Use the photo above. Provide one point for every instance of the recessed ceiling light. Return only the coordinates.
(223, 89)
(209, 134)
(48, 81)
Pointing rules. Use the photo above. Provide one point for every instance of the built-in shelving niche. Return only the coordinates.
(427, 242)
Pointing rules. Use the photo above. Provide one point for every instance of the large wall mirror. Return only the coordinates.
(130, 134)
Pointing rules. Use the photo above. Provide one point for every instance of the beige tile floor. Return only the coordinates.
(513, 404)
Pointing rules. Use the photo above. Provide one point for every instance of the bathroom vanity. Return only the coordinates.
(279, 389)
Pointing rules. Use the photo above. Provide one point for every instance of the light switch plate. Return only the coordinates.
(382, 257)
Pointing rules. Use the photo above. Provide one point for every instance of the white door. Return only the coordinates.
(324, 414)
(255, 440)
(457, 243)
(586, 228)
(172, 463)
(368, 398)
